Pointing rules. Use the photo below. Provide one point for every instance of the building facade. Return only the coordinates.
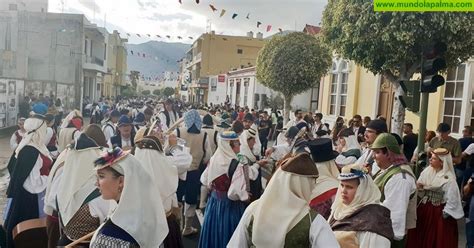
(116, 75)
(213, 54)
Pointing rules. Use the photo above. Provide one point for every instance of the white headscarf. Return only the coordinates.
(164, 172)
(35, 136)
(367, 193)
(140, 209)
(220, 161)
(69, 117)
(432, 179)
(78, 180)
(244, 146)
(351, 143)
(283, 204)
(327, 179)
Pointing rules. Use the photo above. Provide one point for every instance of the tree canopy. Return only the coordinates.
(168, 91)
(292, 64)
(146, 92)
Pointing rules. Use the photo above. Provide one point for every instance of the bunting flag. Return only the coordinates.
(138, 54)
(131, 52)
(234, 16)
(158, 36)
(222, 12)
(143, 55)
(138, 35)
(179, 37)
(148, 35)
(258, 24)
(197, 1)
(168, 36)
(180, 1)
(281, 30)
(212, 7)
(128, 34)
(269, 27)
(190, 37)
(248, 16)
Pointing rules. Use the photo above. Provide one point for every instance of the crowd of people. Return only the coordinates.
(138, 173)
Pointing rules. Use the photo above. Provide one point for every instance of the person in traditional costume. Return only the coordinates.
(358, 219)
(124, 137)
(326, 187)
(18, 134)
(373, 129)
(222, 213)
(168, 116)
(138, 121)
(348, 147)
(282, 216)
(212, 133)
(279, 151)
(29, 170)
(198, 142)
(81, 209)
(396, 183)
(70, 129)
(440, 205)
(51, 137)
(148, 151)
(109, 128)
(247, 157)
(139, 218)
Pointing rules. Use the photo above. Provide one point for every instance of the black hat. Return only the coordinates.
(207, 120)
(248, 117)
(321, 150)
(115, 113)
(379, 126)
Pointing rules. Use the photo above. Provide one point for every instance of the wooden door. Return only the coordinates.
(386, 98)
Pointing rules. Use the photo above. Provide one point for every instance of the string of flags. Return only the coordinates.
(234, 16)
(159, 36)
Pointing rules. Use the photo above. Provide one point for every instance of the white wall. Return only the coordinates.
(218, 95)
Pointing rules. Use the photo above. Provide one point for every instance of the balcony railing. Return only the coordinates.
(94, 60)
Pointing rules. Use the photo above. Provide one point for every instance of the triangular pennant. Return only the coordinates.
(222, 12)
(248, 16)
(281, 30)
(234, 16)
(179, 37)
(128, 34)
(212, 7)
(131, 52)
(148, 35)
(197, 1)
(190, 37)
(258, 24)
(180, 1)
(158, 36)
(143, 55)
(269, 27)
(168, 36)
(138, 54)
(138, 35)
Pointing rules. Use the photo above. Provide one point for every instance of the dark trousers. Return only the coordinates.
(264, 142)
(190, 188)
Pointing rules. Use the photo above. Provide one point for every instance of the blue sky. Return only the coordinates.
(168, 17)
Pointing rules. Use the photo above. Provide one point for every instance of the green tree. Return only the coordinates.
(292, 64)
(168, 91)
(128, 91)
(146, 92)
(157, 92)
(134, 78)
(391, 43)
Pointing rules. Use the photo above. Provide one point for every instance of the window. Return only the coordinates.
(213, 84)
(314, 105)
(453, 94)
(231, 93)
(246, 91)
(338, 93)
(105, 52)
(240, 51)
(85, 46)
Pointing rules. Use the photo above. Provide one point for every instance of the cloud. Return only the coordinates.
(90, 5)
(170, 17)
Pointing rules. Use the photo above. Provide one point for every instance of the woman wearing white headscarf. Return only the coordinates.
(139, 219)
(149, 152)
(348, 147)
(222, 214)
(70, 129)
(29, 169)
(440, 204)
(358, 219)
(282, 217)
(81, 209)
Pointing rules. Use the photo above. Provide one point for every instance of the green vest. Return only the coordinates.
(298, 236)
(381, 180)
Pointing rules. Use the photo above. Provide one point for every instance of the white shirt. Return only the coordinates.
(109, 131)
(49, 135)
(125, 142)
(182, 159)
(470, 149)
(397, 193)
(173, 117)
(36, 183)
(366, 157)
(320, 233)
(316, 126)
(13, 144)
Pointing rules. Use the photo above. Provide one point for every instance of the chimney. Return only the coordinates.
(259, 35)
(250, 34)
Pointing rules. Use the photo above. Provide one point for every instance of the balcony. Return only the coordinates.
(94, 63)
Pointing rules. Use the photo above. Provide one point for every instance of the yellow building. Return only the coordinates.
(350, 89)
(213, 54)
(116, 65)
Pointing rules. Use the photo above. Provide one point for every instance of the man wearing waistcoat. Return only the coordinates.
(125, 136)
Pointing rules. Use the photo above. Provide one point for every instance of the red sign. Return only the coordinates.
(221, 78)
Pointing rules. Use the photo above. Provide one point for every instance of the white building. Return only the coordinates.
(24, 5)
(94, 61)
(243, 90)
(217, 89)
